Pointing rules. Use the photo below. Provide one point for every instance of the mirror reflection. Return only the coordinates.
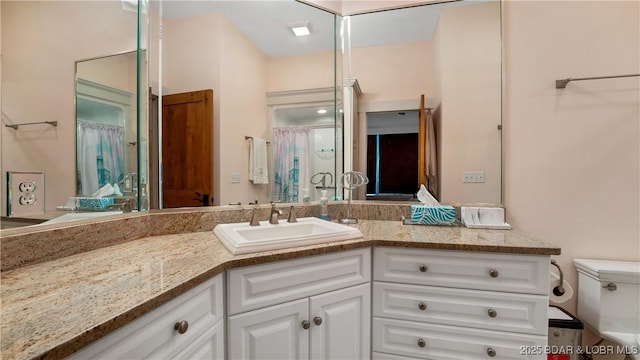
(248, 56)
(309, 130)
(451, 54)
(106, 131)
(41, 43)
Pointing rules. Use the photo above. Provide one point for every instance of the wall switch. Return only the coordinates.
(235, 178)
(473, 177)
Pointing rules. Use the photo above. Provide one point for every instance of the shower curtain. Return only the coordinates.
(291, 163)
(100, 155)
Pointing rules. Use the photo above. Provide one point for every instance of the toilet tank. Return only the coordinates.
(609, 294)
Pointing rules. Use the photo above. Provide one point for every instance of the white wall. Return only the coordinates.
(469, 101)
(38, 81)
(572, 156)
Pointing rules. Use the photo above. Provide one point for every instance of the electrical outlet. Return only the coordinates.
(27, 186)
(25, 193)
(473, 177)
(235, 178)
(27, 199)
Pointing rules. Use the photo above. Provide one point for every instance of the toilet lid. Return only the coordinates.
(610, 270)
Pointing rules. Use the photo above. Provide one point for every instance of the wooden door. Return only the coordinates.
(275, 332)
(340, 324)
(187, 149)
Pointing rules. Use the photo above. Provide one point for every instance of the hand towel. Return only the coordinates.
(258, 161)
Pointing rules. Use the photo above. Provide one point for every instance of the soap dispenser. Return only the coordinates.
(324, 210)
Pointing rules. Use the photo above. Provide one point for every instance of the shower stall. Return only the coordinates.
(307, 152)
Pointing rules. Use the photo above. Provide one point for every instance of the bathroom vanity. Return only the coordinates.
(163, 296)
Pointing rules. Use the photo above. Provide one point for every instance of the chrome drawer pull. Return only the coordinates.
(421, 343)
(423, 268)
(181, 327)
(422, 306)
(306, 324)
(317, 320)
(493, 273)
(491, 352)
(492, 313)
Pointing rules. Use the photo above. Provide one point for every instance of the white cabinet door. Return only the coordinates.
(153, 335)
(209, 346)
(340, 324)
(275, 332)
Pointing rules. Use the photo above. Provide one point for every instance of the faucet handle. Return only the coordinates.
(254, 220)
(292, 215)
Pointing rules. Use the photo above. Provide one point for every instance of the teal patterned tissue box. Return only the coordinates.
(433, 215)
(96, 204)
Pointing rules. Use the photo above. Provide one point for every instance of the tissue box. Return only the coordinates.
(483, 218)
(433, 215)
(95, 204)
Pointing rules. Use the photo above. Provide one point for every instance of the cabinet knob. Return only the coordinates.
(421, 343)
(306, 324)
(422, 306)
(317, 320)
(423, 268)
(493, 273)
(492, 313)
(491, 352)
(181, 326)
(611, 287)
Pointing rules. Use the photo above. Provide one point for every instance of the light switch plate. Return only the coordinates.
(25, 193)
(235, 178)
(473, 177)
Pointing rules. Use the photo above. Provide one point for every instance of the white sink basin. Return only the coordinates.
(242, 238)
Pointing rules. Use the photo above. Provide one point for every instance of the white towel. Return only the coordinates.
(258, 161)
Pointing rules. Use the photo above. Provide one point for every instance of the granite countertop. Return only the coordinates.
(53, 308)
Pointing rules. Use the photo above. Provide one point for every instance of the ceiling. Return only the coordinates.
(265, 23)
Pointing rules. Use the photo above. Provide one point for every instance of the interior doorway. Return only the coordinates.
(187, 149)
(392, 155)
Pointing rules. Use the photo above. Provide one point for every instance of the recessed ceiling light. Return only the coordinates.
(300, 28)
(322, 111)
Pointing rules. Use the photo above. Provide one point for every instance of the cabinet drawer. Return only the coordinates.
(522, 313)
(153, 335)
(463, 269)
(258, 286)
(441, 342)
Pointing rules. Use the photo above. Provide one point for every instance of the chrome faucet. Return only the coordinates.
(275, 213)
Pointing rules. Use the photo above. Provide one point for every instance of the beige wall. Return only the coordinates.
(209, 52)
(572, 156)
(383, 75)
(469, 101)
(38, 81)
(296, 72)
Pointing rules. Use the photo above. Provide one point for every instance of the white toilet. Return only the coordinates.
(609, 301)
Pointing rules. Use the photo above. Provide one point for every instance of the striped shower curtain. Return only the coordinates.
(290, 162)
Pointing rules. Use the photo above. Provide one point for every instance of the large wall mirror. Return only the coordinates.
(267, 83)
(69, 68)
(451, 53)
